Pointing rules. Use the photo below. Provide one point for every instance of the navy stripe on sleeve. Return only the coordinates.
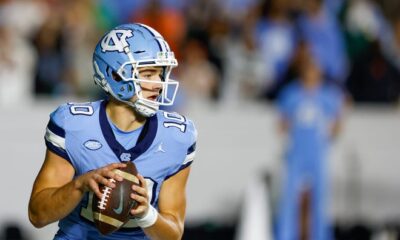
(180, 169)
(54, 128)
(191, 149)
(57, 151)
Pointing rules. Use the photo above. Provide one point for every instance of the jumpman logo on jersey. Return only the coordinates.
(160, 148)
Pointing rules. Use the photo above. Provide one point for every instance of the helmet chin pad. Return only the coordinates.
(145, 109)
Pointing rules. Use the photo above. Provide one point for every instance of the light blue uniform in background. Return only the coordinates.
(83, 135)
(310, 115)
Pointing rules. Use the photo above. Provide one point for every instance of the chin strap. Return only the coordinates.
(145, 109)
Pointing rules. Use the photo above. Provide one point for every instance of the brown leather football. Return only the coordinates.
(112, 211)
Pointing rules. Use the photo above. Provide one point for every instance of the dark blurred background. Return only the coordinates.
(232, 54)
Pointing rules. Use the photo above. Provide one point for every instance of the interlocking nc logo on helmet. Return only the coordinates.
(115, 40)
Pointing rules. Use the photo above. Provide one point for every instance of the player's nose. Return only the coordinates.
(156, 85)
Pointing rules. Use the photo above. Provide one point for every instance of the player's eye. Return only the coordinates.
(148, 75)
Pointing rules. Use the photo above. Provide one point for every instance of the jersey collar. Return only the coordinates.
(145, 139)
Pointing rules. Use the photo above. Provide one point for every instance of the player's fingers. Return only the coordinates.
(140, 190)
(140, 199)
(139, 211)
(109, 182)
(104, 181)
(112, 166)
(95, 188)
(112, 175)
(142, 181)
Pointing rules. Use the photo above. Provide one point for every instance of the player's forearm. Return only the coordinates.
(167, 227)
(52, 204)
(335, 129)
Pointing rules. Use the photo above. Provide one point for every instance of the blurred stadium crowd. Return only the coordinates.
(228, 50)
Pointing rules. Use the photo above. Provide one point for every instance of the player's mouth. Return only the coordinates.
(152, 97)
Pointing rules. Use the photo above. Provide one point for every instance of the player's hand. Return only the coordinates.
(90, 181)
(141, 197)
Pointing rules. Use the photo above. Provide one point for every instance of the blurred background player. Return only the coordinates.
(87, 141)
(310, 111)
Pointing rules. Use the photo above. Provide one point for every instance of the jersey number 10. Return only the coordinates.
(175, 120)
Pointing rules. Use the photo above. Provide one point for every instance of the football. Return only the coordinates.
(112, 211)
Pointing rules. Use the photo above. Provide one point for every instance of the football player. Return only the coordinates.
(86, 141)
(310, 111)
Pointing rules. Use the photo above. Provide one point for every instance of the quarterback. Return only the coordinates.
(87, 141)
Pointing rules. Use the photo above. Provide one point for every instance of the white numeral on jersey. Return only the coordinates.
(177, 121)
(81, 110)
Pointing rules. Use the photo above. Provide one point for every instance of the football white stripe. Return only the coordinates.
(109, 220)
(55, 139)
(127, 176)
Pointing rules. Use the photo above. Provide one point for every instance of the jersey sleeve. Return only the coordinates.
(55, 132)
(189, 148)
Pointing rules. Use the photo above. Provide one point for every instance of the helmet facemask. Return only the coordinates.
(129, 71)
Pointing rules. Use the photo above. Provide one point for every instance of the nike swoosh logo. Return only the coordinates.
(121, 203)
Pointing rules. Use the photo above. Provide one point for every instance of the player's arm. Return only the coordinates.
(55, 194)
(336, 126)
(283, 125)
(172, 205)
(283, 113)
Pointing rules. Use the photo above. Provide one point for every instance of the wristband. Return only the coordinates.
(149, 219)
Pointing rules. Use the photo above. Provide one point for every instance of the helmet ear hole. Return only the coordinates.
(116, 76)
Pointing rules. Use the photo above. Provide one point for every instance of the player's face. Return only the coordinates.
(152, 87)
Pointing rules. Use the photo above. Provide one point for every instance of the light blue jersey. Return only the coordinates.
(82, 134)
(310, 114)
